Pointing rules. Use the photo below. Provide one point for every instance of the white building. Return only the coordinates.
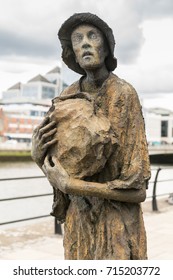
(159, 126)
(40, 88)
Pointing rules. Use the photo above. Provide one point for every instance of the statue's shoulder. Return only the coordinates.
(122, 86)
(72, 89)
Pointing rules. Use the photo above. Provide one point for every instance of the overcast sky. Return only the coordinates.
(143, 32)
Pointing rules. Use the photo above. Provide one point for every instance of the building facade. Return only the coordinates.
(159, 126)
(17, 121)
(23, 106)
(40, 88)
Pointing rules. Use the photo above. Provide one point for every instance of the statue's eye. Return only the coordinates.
(92, 35)
(77, 38)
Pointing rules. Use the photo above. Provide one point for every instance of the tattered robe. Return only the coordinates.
(95, 228)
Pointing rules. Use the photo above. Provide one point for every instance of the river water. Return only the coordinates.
(23, 208)
(31, 207)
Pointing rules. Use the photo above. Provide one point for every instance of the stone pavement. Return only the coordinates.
(159, 228)
(36, 240)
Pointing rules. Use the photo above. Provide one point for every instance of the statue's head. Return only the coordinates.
(87, 40)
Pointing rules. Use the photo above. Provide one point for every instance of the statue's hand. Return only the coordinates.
(42, 139)
(56, 174)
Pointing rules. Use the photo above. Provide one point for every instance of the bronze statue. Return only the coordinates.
(92, 148)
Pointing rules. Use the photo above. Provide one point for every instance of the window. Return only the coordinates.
(34, 113)
(43, 114)
(164, 128)
(30, 92)
(48, 92)
(10, 94)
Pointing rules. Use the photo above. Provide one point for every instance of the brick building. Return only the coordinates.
(17, 121)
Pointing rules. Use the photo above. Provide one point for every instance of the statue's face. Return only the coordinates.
(89, 46)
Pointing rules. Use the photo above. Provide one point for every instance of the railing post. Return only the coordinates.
(58, 229)
(154, 199)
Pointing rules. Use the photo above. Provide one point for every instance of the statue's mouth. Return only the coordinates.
(85, 54)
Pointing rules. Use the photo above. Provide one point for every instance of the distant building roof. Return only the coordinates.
(16, 86)
(55, 70)
(160, 111)
(38, 78)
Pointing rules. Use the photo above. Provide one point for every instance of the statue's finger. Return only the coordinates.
(48, 134)
(44, 122)
(50, 143)
(47, 128)
(59, 166)
(46, 160)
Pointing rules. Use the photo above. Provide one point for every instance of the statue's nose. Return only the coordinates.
(86, 45)
(85, 42)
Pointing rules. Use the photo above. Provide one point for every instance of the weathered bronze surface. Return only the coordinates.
(92, 148)
(85, 137)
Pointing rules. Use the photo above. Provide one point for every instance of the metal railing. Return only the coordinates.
(155, 182)
(57, 227)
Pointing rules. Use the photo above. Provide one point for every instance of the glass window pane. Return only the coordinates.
(164, 128)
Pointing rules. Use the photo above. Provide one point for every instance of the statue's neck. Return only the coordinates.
(94, 79)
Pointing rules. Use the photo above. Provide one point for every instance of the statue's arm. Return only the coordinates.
(103, 190)
(59, 179)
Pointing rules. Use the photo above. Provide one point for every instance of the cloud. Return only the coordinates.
(154, 9)
(17, 44)
(28, 29)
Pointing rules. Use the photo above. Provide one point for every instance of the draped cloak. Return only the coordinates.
(96, 228)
